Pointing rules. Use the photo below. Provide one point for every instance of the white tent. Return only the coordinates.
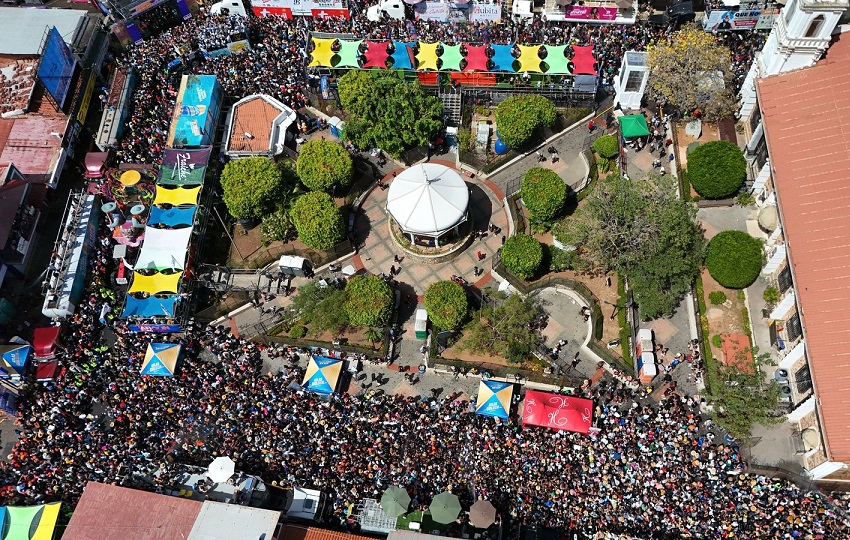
(428, 199)
(164, 248)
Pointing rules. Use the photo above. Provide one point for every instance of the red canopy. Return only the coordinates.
(583, 60)
(557, 412)
(376, 54)
(476, 58)
(44, 341)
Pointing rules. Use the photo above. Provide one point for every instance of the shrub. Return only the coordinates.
(369, 301)
(318, 220)
(276, 226)
(518, 116)
(771, 295)
(298, 332)
(323, 164)
(251, 186)
(734, 259)
(606, 146)
(717, 169)
(522, 255)
(717, 341)
(716, 297)
(543, 193)
(446, 304)
(562, 259)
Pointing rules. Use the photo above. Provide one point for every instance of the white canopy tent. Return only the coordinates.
(164, 248)
(428, 200)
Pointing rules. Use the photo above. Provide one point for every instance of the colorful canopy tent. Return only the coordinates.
(376, 54)
(529, 59)
(476, 58)
(155, 284)
(322, 52)
(502, 58)
(173, 217)
(583, 60)
(349, 53)
(161, 359)
(451, 57)
(182, 167)
(29, 522)
(164, 249)
(403, 55)
(427, 57)
(322, 374)
(557, 412)
(633, 125)
(559, 64)
(149, 307)
(47, 522)
(177, 196)
(494, 399)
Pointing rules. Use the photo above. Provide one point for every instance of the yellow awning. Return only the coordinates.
(322, 53)
(47, 523)
(427, 56)
(156, 283)
(178, 196)
(529, 60)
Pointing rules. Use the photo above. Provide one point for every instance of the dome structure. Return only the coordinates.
(428, 200)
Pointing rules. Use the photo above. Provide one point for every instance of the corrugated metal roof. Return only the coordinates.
(297, 532)
(106, 511)
(31, 146)
(221, 521)
(807, 125)
(22, 30)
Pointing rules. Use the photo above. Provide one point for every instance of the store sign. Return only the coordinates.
(86, 101)
(300, 8)
(155, 328)
(590, 13)
(485, 13)
(433, 11)
(766, 19)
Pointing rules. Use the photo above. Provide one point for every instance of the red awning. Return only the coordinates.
(44, 341)
(557, 412)
(376, 54)
(583, 60)
(46, 371)
(476, 58)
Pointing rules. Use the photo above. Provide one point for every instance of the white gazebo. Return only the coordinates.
(428, 200)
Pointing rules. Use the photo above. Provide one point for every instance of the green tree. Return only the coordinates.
(641, 230)
(446, 304)
(252, 186)
(503, 330)
(518, 116)
(734, 259)
(386, 112)
(742, 399)
(692, 71)
(543, 193)
(771, 295)
(606, 146)
(522, 255)
(318, 220)
(717, 169)
(369, 302)
(320, 308)
(373, 335)
(323, 164)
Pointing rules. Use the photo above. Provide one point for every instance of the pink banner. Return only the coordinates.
(590, 13)
(284, 12)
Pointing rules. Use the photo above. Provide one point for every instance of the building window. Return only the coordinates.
(794, 327)
(760, 154)
(755, 118)
(789, 10)
(803, 379)
(784, 281)
(815, 26)
(634, 81)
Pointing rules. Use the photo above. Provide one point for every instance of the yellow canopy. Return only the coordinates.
(322, 53)
(47, 523)
(529, 60)
(156, 283)
(427, 56)
(178, 196)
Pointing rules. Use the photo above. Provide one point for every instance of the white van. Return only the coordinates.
(394, 9)
(232, 7)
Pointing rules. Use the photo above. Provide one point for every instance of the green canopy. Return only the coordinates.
(445, 507)
(20, 521)
(451, 57)
(394, 501)
(349, 53)
(633, 125)
(558, 63)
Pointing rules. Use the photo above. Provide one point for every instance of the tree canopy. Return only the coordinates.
(606, 146)
(640, 229)
(543, 193)
(742, 399)
(503, 330)
(318, 220)
(734, 259)
(386, 112)
(252, 186)
(717, 169)
(446, 304)
(518, 116)
(369, 301)
(522, 255)
(322, 164)
(320, 308)
(691, 71)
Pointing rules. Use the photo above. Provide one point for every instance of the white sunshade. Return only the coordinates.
(428, 199)
(164, 248)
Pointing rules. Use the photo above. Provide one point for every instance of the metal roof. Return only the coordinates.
(22, 30)
(222, 521)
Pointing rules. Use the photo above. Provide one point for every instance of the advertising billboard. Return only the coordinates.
(196, 112)
(57, 67)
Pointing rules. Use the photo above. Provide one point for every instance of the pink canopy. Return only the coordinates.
(557, 412)
(376, 54)
(583, 60)
(476, 58)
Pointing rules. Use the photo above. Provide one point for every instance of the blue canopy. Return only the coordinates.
(17, 356)
(172, 217)
(161, 359)
(502, 58)
(322, 374)
(403, 55)
(494, 399)
(149, 307)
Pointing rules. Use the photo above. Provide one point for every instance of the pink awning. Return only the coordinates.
(583, 60)
(376, 54)
(557, 412)
(476, 58)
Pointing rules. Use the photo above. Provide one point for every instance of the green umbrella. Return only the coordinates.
(445, 507)
(394, 501)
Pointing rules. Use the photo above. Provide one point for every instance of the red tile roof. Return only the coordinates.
(300, 532)
(107, 511)
(255, 117)
(807, 125)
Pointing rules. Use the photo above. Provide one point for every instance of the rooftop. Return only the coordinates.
(807, 127)
(255, 124)
(220, 521)
(301, 532)
(22, 30)
(29, 142)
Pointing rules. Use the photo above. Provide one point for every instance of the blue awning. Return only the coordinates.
(172, 217)
(403, 55)
(149, 307)
(502, 58)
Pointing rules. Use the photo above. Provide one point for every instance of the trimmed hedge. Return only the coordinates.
(318, 220)
(518, 116)
(369, 302)
(323, 164)
(522, 255)
(446, 304)
(717, 169)
(543, 193)
(606, 146)
(734, 259)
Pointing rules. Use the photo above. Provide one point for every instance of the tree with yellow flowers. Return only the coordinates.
(691, 71)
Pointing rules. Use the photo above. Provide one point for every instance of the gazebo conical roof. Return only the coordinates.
(428, 199)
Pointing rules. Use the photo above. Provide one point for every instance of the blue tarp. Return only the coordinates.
(149, 307)
(172, 217)
(18, 356)
(502, 58)
(402, 55)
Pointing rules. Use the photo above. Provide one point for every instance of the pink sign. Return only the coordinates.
(284, 12)
(590, 13)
